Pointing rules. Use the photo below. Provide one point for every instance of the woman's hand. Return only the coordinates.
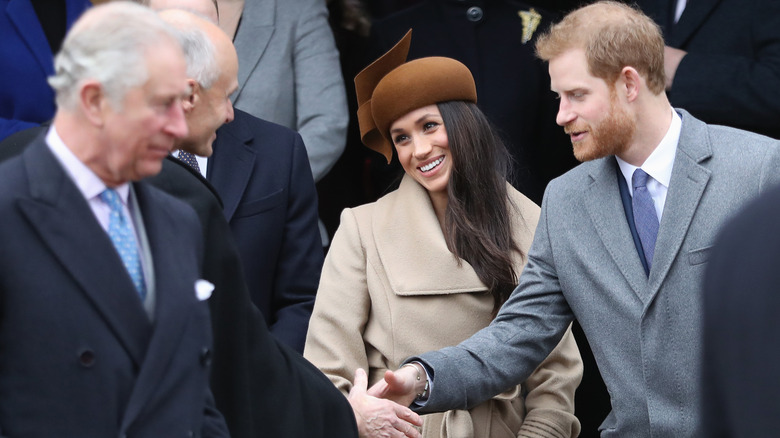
(401, 385)
(378, 418)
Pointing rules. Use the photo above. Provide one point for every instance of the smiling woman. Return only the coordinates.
(451, 240)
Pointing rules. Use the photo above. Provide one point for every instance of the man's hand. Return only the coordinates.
(672, 58)
(401, 385)
(377, 418)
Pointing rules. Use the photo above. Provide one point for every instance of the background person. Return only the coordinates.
(105, 326)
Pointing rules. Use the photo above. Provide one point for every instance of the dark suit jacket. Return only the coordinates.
(26, 61)
(262, 387)
(80, 356)
(740, 388)
(262, 173)
(513, 86)
(731, 75)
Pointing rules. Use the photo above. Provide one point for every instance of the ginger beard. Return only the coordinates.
(611, 136)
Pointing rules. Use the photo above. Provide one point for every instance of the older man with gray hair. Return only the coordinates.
(261, 171)
(105, 326)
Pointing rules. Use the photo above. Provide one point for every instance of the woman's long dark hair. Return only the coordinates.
(478, 218)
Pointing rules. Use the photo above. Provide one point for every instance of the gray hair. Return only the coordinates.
(199, 52)
(108, 44)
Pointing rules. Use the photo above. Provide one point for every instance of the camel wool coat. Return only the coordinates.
(391, 289)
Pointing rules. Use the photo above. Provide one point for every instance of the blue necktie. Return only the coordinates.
(189, 159)
(123, 238)
(645, 217)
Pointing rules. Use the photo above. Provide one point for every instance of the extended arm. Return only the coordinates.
(505, 353)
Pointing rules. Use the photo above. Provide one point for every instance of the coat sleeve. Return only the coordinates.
(334, 342)
(549, 390)
(320, 97)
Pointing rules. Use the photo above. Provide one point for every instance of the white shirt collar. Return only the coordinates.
(660, 162)
(88, 183)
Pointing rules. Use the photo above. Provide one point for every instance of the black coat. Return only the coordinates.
(80, 356)
(262, 387)
(740, 387)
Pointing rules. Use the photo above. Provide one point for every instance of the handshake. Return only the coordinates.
(381, 411)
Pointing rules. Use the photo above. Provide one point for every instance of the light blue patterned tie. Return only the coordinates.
(123, 237)
(645, 218)
(189, 159)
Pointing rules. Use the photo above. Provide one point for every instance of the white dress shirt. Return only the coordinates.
(678, 10)
(91, 186)
(658, 165)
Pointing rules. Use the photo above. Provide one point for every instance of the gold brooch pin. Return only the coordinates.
(531, 20)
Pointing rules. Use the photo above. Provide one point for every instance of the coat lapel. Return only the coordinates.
(694, 15)
(412, 249)
(65, 222)
(254, 33)
(174, 301)
(231, 165)
(603, 203)
(24, 19)
(686, 187)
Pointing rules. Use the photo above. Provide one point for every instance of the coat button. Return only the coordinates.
(474, 13)
(87, 358)
(205, 357)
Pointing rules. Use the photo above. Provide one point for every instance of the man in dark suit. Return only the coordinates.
(261, 386)
(105, 325)
(262, 173)
(722, 60)
(740, 388)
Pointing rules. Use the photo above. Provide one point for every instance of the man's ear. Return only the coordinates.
(631, 81)
(192, 100)
(93, 102)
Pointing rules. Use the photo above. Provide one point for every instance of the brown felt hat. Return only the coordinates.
(390, 88)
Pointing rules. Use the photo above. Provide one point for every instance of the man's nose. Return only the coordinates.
(565, 114)
(177, 125)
